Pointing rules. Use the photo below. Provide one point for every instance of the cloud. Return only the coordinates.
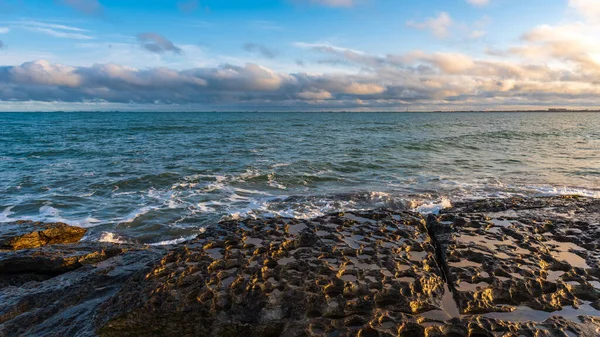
(260, 49)
(31, 23)
(188, 6)
(479, 3)
(53, 29)
(89, 7)
(589, 9)
(315, 95)
(157, 44)
(385, 82)
(331, 3)
(4, 30)
(439, 26)
(477, 34)
(60, 34)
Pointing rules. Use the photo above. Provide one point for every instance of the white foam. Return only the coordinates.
(174, 241)
(434, 207)
(564, 190)
(6, 213)
(110, 237)
(47, 211)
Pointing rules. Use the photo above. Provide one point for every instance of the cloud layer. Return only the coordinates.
(550, 65)
(382, 82)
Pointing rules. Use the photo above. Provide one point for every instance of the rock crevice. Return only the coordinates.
(501, 267)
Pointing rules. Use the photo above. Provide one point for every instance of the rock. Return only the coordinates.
(284, 277)
(497, 267)
(56, 291)
(29, 234)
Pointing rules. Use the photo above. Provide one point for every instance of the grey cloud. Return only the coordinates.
(157, 44)
(188, 6)
(415, 79)
(89, 7)
(259, 49)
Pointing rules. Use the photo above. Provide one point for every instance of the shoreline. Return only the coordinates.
(478, 268)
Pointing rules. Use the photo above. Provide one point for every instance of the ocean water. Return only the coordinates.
(163, 177)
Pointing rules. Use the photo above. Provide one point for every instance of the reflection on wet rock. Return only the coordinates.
(495, 267)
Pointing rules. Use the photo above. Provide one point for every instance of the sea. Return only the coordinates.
(163, 177)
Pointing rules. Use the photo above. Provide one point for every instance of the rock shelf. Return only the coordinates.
(496, 267)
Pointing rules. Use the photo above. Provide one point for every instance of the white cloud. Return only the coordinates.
(315, 96)
(334, 3)
(31, 23)
(439, 26)
(58, 33)
(52, 29)
(4, 30)
(477, 34)
(479, 3)
(590, 9)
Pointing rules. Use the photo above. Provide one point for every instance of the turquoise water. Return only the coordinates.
(154, 177)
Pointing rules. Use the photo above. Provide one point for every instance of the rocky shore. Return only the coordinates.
(496, 267)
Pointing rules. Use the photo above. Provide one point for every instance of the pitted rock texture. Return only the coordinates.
(29, 234)
(492, 268)
(525, 261)
(357, 273)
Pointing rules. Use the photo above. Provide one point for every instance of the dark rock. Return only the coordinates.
(496, 267)
(56, 291)
(354, 275)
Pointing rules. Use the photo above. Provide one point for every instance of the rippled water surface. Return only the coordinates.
(155, 177)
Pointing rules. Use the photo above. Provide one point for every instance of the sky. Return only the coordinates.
(299, 55)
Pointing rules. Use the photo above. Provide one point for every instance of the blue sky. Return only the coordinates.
(297, 54)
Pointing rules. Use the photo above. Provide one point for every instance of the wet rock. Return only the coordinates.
(29, 234)
(38, 264)
(497, 267)
(283, 277)
(525, 260)
(56, 291)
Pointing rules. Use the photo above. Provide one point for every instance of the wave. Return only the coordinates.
(172, 211)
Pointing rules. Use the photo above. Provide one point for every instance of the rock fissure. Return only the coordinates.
(499, 267)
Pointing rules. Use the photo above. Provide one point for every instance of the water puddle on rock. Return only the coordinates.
(464, 264)
(295, 229)
(572, 258)
(214, 253)
(562, 251)
(502, 223)
(466, 286)
(526, 314)
(417, 256)
(254, 241)
(554, 275)
(449, 308)
(358, 218)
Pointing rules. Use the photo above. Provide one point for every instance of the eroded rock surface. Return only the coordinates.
(525, 260)
(356, 273)
(29, 234)
(498, 267)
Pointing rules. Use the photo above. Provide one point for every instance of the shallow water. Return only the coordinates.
(161, 177)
